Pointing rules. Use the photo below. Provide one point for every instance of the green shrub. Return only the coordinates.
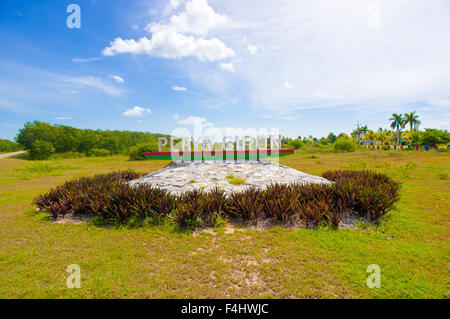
(295, 144)
(434, 137)
(138, 152)
(41, 150)
(344, 145)
(8, 146)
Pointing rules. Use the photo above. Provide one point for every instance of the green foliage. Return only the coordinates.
(332, 137)
(41, 150)
(237, 181)
(413, 119)
(138, 152)
(414, 138)
(99, 152)
(344, 145)
(434, 137)
(8, 146)
(66, 155)
(68, 139)
(295, 144)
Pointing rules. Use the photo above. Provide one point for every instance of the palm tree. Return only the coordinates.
(413, 119)
(397, 123)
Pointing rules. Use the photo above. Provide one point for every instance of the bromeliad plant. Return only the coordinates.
(247, 204)
(109, 198)
(280, 202)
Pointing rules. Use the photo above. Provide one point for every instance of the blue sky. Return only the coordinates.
(303, 67)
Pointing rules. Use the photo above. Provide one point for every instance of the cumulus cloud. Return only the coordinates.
(227, 67)
(183, 36)
(117, 78)
(172, 5)
(179, 88)
(365, 57)
(198, 18)
(136, 111)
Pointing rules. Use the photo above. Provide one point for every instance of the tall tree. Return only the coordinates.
(364, 130)
(413, 119)
(397, 123)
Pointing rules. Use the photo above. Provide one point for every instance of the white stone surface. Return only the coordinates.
(181, 177)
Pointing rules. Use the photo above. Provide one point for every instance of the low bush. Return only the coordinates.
(344, 145)
(99, 152)
(295, 144)
(8, 146)
(138, 152)
(109, 198)
(41, 150)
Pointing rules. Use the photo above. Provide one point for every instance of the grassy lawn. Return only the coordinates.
(410, 245)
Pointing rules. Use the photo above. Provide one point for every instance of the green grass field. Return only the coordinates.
(411, 245)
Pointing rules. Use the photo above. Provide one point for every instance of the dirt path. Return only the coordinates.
(11, 154)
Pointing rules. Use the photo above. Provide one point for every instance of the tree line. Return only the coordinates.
(395, 135)
(41, 137)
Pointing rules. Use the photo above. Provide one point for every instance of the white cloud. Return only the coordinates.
(179, 88)
(176, 116)
(172, 5)
(85, 60)
(202, 128)
(94, 82)
(444, 103)
(227, 67)
(287, 85)
(374, 16)
(136, 111)
(252, 49)
(61, 118)
(192, 120)
(334, 63)
(175, 39)
(198, 18)
(117, 78)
